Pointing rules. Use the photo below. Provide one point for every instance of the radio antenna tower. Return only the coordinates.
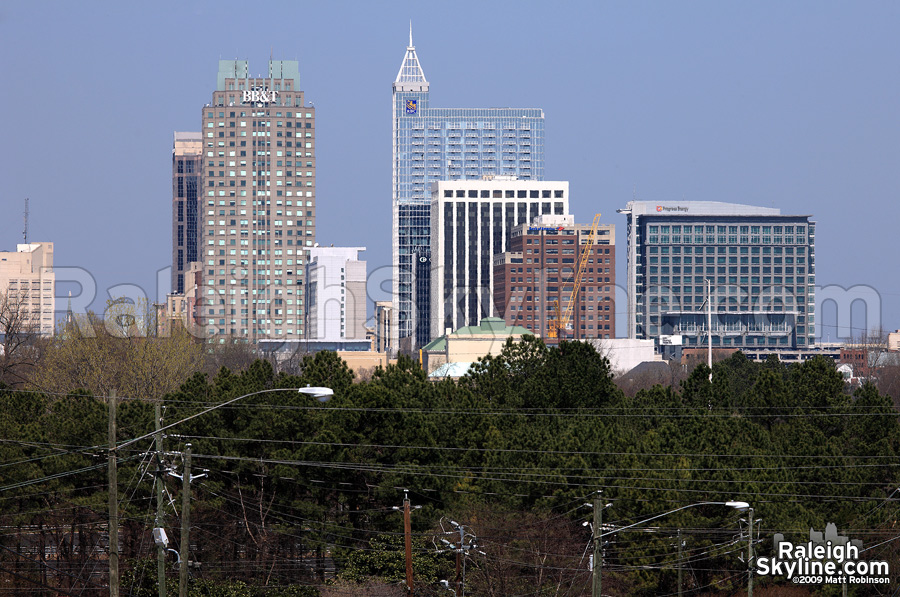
(25, 230)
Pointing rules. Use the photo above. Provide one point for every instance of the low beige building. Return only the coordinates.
(467, 344)
(27, 283)
(364, 362)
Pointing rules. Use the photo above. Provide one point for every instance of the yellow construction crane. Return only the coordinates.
(561, 321)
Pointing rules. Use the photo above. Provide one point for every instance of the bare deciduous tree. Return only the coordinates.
(19, 349)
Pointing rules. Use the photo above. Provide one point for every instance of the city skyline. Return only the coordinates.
(770, 105)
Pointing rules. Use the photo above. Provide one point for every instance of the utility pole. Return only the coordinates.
(113, 502)
(598, 547)
(461, 550)
(407, 531)
(750, 553)
(679, 562)
(185, 521)
(160, 550)
(459, 582)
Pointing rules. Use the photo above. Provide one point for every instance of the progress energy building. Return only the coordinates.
(432, 144)
(760, 264)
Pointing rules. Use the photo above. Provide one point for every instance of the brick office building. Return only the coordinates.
(540, 268)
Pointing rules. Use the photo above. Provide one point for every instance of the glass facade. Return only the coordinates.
(761, 268)
(431, 144)
(186, 168)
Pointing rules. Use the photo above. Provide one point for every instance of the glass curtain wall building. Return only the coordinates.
(187, 163)
(760, 263)
(431, 144)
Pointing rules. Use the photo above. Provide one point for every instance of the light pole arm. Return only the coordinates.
(737, 505)
(202, 412)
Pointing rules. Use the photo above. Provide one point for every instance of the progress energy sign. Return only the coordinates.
(827, 558)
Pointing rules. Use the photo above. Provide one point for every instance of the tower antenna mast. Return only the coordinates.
(25, 229)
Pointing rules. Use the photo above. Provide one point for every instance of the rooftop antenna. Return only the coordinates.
(410, 33)
(25, 230)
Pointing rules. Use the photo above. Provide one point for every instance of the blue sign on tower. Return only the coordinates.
(412, 106)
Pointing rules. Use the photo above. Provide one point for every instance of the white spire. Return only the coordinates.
(411, 70)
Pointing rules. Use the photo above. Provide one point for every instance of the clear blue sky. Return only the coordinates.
(785, 104)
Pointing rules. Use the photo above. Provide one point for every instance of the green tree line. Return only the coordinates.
(301, 496)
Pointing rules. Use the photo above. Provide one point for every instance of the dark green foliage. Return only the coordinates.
(298, 493)
(385, 559)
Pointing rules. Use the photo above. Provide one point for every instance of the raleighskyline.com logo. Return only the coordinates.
(827, 558)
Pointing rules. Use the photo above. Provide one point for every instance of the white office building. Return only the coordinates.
(336, 298)
(471, 221)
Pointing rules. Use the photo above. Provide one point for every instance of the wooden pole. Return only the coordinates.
(407, 531)
(597, 586)
(113, 502)
(185, 521)
(679, 563)
(160, 550)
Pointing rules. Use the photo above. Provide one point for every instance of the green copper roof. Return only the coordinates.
(491, 326)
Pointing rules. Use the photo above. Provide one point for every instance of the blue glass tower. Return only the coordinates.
(431, 144)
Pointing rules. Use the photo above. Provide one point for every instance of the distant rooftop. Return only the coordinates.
(489, 326)
(453, 370)
(696, 208)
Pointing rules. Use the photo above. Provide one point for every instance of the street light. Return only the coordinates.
(735, 505)
(321, 394)
(597, 565)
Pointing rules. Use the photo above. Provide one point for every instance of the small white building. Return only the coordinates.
(336, 298)
(625, 354)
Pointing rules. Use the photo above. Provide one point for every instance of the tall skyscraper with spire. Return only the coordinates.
(432, 144)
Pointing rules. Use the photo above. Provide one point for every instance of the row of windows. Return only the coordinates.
(728, 250)
(731, 240)
(258, 123)
(257, 241)
(721, 260)
(663, 284)
(261, 193)
(265, 163)
(232, 134)
(279, 153)
(256, 331)
(728, 294)
(260, 203)
(708, 229)
(508, 194)
(233, 173)
(264, 144)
